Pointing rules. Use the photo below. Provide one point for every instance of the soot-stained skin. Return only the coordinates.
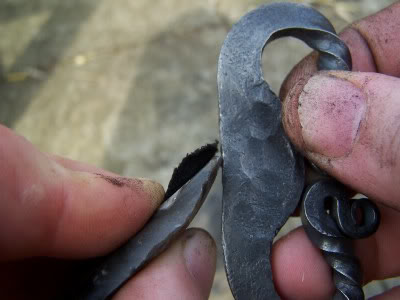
(190, 165)
(118, 181)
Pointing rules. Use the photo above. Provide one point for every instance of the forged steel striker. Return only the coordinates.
(263, 175)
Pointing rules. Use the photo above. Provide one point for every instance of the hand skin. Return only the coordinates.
(348, 123)
(54, 211)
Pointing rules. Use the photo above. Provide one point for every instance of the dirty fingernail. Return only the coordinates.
(154, 190)
(330, 111)
(200, 258)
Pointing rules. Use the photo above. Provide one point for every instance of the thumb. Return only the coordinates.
(48, 209)
(348, 123)
(184, 271)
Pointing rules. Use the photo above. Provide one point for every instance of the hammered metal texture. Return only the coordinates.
(263, 176)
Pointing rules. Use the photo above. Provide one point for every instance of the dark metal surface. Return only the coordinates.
(189, 166)
(173, 216)
(263, 176)
(330, 221)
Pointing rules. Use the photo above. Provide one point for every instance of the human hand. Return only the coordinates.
(348, 123)
(55, 211)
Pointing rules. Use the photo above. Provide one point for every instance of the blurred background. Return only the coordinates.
(130, 85)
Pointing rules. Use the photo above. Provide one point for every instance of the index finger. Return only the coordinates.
(374, 45)
(47, 209)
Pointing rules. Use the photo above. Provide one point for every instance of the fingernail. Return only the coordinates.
(330, 111)
(154, 190)
(200, 258)
(151, 188)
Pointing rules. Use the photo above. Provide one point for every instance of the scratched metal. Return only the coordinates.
(263, 176)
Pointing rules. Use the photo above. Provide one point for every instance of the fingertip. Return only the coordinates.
(200, 258)
(184, 271)
(347, 123)
(299, 269)
(380, 32)
(290, 114)
(100, 212)
(362, 58)
(60, 208)
(155, 191)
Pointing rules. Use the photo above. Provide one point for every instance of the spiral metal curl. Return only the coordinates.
(332, 221)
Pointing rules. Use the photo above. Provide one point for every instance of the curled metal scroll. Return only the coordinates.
(330, 221)
(263, 176)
